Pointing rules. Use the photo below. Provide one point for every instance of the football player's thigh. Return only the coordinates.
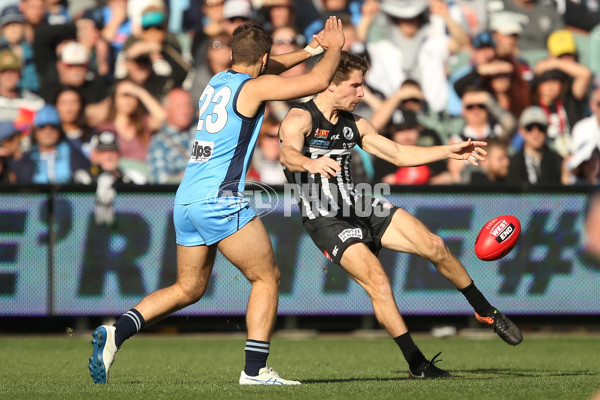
(407, 234)
(249, 249)
(195, 263)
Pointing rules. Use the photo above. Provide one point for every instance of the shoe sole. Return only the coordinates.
(96, 366)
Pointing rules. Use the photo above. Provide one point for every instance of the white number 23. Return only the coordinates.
(217, 118)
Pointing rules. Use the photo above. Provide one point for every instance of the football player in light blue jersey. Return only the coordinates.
(210, 211)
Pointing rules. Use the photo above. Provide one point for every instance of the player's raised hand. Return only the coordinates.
(469, 151)
(323, 165)
(333, 34)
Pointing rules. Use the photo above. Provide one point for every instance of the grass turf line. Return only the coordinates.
(192, 367)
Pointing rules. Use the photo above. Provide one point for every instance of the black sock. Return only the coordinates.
(410, 351)
(257, 353)
(477, 300)
(128, 325)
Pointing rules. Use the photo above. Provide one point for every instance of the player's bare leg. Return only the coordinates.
(408, 234)
(194, 266)
(249, 249)
(364, 267)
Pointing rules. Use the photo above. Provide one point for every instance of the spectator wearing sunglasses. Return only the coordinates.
(536, 163)
(482, 118)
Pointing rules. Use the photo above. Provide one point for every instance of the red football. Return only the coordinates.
(497, 238)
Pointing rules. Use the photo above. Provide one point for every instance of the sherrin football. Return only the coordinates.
(497, 238)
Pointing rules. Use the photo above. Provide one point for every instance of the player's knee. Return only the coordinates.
(191, 293)
(437, 249)
(378, 284)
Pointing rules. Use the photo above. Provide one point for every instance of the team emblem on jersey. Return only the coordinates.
(348, 134)
(321, 133)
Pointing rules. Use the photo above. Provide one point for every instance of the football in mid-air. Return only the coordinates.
(497, 238)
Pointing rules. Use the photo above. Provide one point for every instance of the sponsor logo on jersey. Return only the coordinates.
(350, 233)
(319, 143)
(202, 151)
(321, 133)
(348, 134)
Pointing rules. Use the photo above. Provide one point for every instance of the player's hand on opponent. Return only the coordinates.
(323, 165)
(469, 151)
(333, 34)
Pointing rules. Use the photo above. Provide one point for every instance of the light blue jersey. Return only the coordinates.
(214, 177)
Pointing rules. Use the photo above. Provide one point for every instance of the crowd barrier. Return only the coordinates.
(56, 261)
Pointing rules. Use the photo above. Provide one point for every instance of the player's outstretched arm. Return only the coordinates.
(274, 87)
(283, 62)
(296, 125)
(407, 156)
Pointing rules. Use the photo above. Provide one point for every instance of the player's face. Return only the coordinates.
(350, 92)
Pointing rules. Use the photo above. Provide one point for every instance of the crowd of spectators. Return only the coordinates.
(99, 89)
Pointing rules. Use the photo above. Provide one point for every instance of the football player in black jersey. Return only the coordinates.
(350, 228)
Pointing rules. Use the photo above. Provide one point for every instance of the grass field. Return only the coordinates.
(331, 367)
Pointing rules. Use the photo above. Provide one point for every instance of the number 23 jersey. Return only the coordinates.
(223, 144)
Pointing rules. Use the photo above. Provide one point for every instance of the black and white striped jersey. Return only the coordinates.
(317, 195)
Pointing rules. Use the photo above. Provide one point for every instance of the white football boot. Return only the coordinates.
(103, 355)
(266, 376)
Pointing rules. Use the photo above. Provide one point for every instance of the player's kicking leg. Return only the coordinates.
(250, 250)
(194, 266)
(409, 235)
(364, 267)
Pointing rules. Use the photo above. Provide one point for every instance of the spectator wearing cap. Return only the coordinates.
(16, 105)
(235, 13)
(561, 88)
(536, 163)
(404, 129)
(483, 50)
(12, 36)
(52, 159)
(72, 68)
(403, 44)
(538, 18)
(506, 28)
(581, 161)
(154, 54)
(170, 147)
(10, 151)
(101, 55)
(105, 158)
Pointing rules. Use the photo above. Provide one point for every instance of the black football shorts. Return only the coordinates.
(333, 234)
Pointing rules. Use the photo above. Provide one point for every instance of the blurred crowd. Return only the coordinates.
(98, 91)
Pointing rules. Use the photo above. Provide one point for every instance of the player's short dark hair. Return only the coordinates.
(250, 42)
(350, 62)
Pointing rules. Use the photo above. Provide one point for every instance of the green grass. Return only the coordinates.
(342, 367)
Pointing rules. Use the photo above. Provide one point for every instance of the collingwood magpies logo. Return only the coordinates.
(348, 134)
